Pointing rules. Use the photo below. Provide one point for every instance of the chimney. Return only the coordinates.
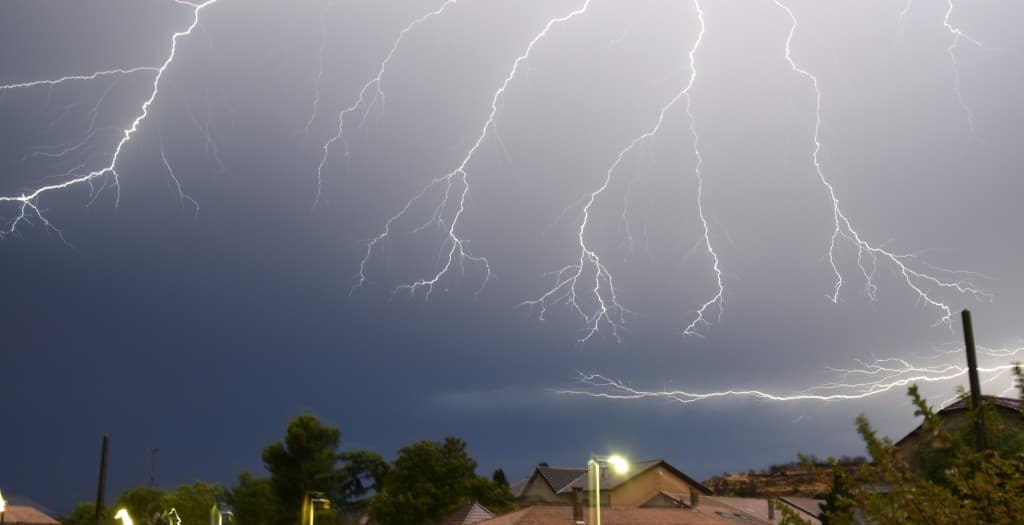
(577, 505)
(694, 498)
(771, 510)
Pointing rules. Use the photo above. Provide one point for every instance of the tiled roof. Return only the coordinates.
(468, 514)
(558, 477)
(517, 488)
(1004, 402)
(610, 480)
(705, 514)
(27, 515)
(961, 404)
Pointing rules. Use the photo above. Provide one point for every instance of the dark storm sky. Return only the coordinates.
(204, 336)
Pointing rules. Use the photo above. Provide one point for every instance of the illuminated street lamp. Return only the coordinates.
(310, 502)
(618, 464)
(3, 509)
(123, 516)
(221, 514)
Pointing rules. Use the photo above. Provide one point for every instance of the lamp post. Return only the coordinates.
(618, 464)
(309, 504)
(3, 509)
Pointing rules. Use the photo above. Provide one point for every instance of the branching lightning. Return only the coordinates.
(27, 203)
(873, 378)
(957, 35)
(457, 182)
(589, 275)
(868, 255)
(372, 87)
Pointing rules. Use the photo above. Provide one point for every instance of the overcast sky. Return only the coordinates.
(200, 322)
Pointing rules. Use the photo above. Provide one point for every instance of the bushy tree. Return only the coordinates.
(429, 480)
(963, 485)
(253, 501)
(194, 502)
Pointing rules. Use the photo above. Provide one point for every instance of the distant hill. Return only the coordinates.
(790, 479)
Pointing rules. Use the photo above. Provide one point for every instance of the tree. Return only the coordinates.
(144, 504)
(85, 514)
(304, 462)
(971, 487)
(363, 471)
(194, 502)
(253, 500)
(429, 480)
(498, 477)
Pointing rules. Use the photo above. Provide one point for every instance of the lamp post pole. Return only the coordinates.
(618, 464)
(594, 473)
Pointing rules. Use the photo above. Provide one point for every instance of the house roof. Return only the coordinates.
(758, 507)
(27, 515)
(613, 480)
(1008, 403)
(468, 514)
(559, 477)
(1004, 402)
(809, 506)
(518, 487)
(706, 514)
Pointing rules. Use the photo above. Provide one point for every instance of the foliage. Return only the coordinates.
(144, 504)
(253, 500)
(303, 462)
(956, 485)
(429, 480)
(194, 502)
(85, 514)
(363, 471)
(499, 478)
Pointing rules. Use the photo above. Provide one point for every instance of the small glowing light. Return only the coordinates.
(3, 504)
(619, 464)
(124, 517)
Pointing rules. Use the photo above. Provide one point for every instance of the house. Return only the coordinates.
(710, 512)
(653, 483)
(468, 514)
(26, 515)
(956, 416)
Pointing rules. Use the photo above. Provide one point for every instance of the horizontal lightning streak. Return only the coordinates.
(881, 376)
(72, 78)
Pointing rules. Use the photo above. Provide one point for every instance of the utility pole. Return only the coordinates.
(101, 489)
(972, 374)
(152, 467)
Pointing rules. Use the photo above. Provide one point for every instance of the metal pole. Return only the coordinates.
(972, 374)
(594, 472)
(101, 489)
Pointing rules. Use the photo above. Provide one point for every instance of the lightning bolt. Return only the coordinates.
(919, 282)
(372, 87)
(320, 65)
(957, 35)
(871, 379)
(27, 203)
(589, 275)
(457, 181)
(73, 78)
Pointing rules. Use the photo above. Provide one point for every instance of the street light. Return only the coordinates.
(123, 516)
(221, 513)
(618, 464)
(309, 504)
(3, 509)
